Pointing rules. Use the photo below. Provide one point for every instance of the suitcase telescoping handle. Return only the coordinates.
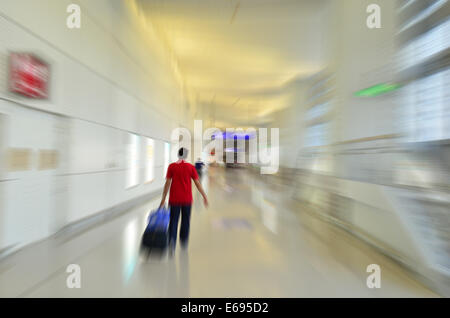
(155, 214)
(164, 209)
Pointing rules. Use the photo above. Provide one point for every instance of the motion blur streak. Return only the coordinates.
(86, 117)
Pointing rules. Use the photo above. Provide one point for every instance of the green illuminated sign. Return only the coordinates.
(377, 90)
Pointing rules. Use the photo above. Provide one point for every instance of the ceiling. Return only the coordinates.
(237, 57)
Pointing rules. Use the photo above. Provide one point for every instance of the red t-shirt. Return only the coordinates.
(181, 173)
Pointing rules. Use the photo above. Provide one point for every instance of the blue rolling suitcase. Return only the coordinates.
(156, 235)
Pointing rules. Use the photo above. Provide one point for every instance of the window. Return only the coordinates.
(425, 46)
(423, 61)
(317, 122)
(317, 135)
(427, 108)
(133, 161)
(166, 157)
(150, 160)
(318, 111)
(425, 13)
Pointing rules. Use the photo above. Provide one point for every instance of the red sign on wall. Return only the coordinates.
(29, 76)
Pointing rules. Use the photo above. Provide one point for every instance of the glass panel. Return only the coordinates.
(133, 161)
(150, 160)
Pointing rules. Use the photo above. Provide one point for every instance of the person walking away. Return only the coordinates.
(199, 167)
(178, 180)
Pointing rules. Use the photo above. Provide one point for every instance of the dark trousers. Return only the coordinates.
(185, 223)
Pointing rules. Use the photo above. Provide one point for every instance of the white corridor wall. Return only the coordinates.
(109, 79)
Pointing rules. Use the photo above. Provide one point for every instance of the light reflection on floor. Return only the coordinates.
(281, 253)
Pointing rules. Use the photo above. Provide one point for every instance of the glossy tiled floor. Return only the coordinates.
(247, 244)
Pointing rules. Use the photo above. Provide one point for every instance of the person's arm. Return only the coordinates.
(166, 190)
(202, 192)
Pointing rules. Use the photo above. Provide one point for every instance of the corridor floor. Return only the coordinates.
(248, 243)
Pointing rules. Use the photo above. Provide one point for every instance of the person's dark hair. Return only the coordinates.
(182, 153)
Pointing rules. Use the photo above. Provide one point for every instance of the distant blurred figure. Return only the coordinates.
(199, 167)
(178, 180)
